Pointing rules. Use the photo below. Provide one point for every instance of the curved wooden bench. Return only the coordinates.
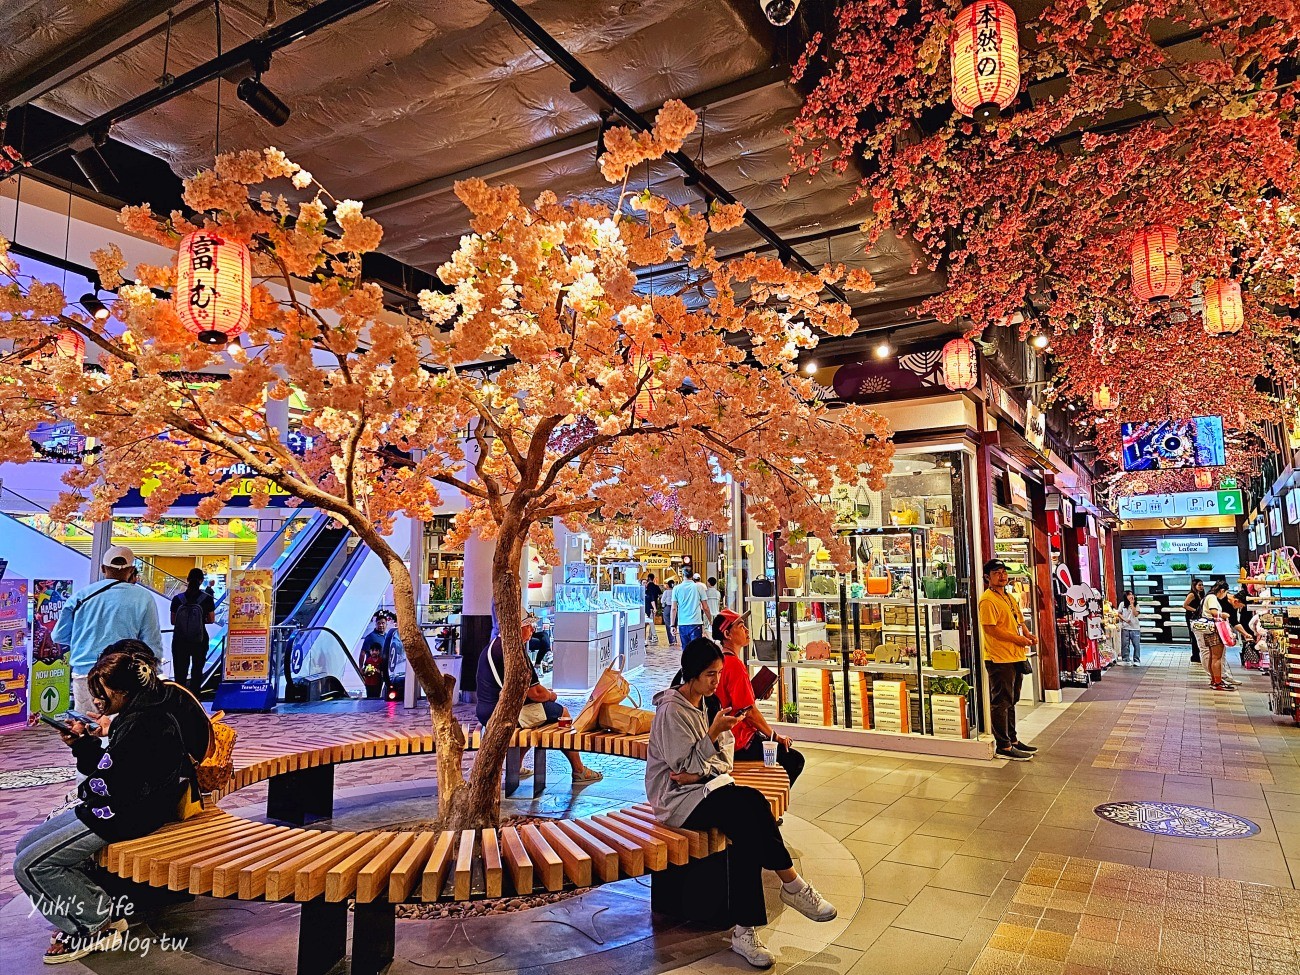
(220, 854)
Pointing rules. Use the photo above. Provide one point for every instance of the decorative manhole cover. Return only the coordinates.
(1176, 819)
(28, 777)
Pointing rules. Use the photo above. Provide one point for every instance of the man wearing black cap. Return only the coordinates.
(1005, 640)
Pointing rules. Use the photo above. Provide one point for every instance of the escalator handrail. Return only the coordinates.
(302, 539)
(324, 629)
(306, 592)
(284, 527)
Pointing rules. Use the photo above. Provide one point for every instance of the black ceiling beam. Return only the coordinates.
(102, 41)
(586, 80)
(324, 14)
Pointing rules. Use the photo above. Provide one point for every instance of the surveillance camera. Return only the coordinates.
(779, 12)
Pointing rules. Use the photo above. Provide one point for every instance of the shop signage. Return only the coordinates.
(51, 691)
(1275, 521)
(1018, 491)
(916, 371)
(247, 683)
(1184, 504)
(1292, 515)
(13, 654)
(1036, 427)
(1182, 546)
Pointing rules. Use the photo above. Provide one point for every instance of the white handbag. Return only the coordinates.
(532, 714)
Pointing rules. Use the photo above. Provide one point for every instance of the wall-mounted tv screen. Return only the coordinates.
(1163, 444)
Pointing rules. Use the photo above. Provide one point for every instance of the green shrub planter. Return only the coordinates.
(1139, 567)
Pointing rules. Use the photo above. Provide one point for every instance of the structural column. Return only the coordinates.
(476, 607)
(101, 541)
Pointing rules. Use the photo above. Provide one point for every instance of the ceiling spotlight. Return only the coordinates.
(94, 307)
(810, 368)
(263, 101)
(884, 350)
(93, 166)
(779, 12)
(1039, 341)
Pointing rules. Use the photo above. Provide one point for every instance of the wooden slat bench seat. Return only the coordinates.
(224, 855)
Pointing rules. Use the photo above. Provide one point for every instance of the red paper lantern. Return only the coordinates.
(650, 392)
(1157, 268)
(214, 286)
(1223, 311)
(70, 345)
(984, 53)
(960, 364)
(1204, 480)
(1103, 399)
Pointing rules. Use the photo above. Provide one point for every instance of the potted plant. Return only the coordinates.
(790, 712)
(1205, 566)
(1139, 567)
(1178, 566)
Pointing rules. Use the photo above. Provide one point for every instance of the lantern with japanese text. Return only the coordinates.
(1223, 312)
(960, 364)
(70, 345)
(1203, 479)
(1102, 398)
(984, 53)
(214, 286)
(651, 385)
(1157, 268)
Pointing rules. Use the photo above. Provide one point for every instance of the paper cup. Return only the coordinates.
(769, 753)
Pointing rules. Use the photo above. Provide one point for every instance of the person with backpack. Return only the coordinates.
(135, 766)
(192, 611)
(110, 609)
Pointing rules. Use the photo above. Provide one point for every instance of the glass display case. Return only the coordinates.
(888, 645)
(576, 597)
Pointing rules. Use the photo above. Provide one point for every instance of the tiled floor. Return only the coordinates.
(959, 862)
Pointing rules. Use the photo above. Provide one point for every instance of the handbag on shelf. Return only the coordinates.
(794, 576)
(945, 659)
(878, 585)
(862, 506)
(1007, 527)
(762, 588)
(765, 645)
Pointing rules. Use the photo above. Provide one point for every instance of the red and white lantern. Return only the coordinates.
(1157, 266)
(70, 345)
(984, 54)
(1203, 479)
(1102, 399)
(1223, 311)
(214, 286)
(960, 364)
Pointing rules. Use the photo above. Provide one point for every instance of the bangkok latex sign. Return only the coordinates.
(1184, 504)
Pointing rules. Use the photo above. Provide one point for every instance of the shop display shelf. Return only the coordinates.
(907, 601)
(874, 668)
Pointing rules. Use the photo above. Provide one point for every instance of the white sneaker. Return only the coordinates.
(745, 943)
(809, 903)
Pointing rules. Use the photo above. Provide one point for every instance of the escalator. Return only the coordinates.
(303, 565)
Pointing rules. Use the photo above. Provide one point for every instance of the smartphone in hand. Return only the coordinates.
(60, 726)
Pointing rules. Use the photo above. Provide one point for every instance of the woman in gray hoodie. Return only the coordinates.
(687, 782)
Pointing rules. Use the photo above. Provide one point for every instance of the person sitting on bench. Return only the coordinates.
(540, 705)
(687, 782)
(133, 786)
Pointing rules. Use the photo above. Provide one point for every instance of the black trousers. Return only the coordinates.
(745, 818)
(1004, 692)
(1196, 647)
(188, 663)
(789, 759)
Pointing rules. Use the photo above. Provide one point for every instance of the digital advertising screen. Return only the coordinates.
(1168, 444)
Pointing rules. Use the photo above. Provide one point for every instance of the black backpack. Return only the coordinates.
(190, 629)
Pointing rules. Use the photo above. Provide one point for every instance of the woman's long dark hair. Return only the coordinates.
(194, 582)
(696, 657)
(128, 666)
(1127, 593)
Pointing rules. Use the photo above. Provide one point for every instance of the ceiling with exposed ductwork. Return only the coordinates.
(394, 103)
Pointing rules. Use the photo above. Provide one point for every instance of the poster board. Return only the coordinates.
(51, 690)
(247, 682)
(13, 654)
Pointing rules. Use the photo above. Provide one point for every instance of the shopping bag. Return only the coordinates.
(765, 646)
(1225, 633)
(625, 720)
(611, 688)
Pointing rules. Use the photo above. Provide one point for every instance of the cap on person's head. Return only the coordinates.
(530, 619)
(696, 577)
(118, 557)
(992, 565)
(726, 619)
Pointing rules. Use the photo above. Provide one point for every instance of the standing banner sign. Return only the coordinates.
(13, 654)
(247, 682)
(51, 691)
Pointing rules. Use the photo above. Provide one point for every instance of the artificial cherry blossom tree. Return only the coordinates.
(588, 395)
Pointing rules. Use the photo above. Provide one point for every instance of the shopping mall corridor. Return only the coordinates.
(939, 867)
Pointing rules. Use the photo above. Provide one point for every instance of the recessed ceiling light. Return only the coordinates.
(884, 350)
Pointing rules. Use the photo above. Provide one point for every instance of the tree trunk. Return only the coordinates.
(478, 805)
(448, 739)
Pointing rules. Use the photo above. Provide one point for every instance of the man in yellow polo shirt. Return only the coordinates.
(1006, 639)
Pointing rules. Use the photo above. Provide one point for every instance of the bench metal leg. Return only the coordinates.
(539, 772)
(322, 936)
(513, 757)
(301, 796)
(374, 929)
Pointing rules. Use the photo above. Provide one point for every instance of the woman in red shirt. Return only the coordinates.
(736, 692)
